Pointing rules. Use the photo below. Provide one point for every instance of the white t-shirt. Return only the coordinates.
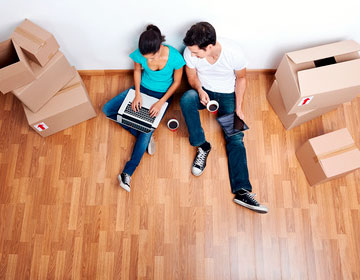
(220, 76)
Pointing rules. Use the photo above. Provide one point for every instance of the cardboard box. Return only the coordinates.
(290, 121)
(68, 107)
(38, 44)
(15, 70)
(319, 77)
(328, 156)
(49, 80)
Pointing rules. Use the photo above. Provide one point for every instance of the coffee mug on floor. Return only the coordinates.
(173, 124)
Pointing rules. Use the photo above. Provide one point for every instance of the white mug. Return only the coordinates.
(212, 106)
(173, 124)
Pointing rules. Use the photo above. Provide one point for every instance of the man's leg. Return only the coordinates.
(235, 149)
(237, 162)
(190, 104)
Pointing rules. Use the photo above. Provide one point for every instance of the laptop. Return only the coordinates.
(140, 120)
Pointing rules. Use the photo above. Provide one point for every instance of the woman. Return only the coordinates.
(162, 71)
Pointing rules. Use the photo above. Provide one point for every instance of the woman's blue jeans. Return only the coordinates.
(142, 139)
(235, 149)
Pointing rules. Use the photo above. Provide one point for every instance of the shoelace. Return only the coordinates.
(251, 197)
(200, 158)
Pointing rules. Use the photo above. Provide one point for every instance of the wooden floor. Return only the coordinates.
(63, 215)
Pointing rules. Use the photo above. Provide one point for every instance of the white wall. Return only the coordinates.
(100, 34)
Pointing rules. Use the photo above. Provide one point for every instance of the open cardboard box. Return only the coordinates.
(38, 44)
(290, 121)
(70, 106)
(319, 77)
(328, 156)
(15, 70)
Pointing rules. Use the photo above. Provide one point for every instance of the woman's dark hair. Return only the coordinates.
(200, 34)
(150, 40)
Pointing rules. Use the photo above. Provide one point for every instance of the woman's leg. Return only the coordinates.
(142, 141)
(111, 108)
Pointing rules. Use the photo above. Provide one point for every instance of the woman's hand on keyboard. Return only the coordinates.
(155, 109)
(137, 102)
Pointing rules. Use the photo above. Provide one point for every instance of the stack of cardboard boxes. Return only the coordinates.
(309, 83)
(314, 81)
(34, 69)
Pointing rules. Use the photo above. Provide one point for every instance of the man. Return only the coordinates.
(216, 70)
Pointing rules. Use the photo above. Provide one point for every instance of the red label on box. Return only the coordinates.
(305, 101)
(41, 126)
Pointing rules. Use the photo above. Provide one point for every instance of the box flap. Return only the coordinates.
(324, 51)
(15, 71)
(39, 71)
(31, 36)
(7, 54)
(329, 78)
(341, 163)
(331, 142)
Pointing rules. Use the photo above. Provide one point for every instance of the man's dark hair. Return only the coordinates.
(200, 34)
(150, 40)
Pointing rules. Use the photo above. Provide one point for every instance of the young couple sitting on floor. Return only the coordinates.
(216, 70)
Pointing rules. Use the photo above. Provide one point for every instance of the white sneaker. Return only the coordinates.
(151, 146)
(124, 180)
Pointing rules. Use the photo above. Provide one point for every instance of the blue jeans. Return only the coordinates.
(235, 149)
(142, 139)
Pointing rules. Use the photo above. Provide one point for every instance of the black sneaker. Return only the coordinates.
(246, 199)
(124, 180)
(200, 161)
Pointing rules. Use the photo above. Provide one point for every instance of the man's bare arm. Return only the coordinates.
(240, 87)
(196, 84)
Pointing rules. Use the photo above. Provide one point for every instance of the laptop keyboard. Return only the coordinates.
(143, 113)
(136, 126)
